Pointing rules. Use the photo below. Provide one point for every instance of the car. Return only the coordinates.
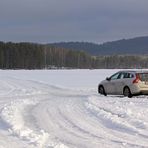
(127, 83)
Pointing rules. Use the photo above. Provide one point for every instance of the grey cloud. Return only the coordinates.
(67, 20)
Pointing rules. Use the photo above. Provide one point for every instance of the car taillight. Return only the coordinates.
(137, 79)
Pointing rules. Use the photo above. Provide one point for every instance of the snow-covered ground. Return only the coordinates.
(61, 109)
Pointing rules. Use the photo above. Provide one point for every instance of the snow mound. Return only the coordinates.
(13, 116)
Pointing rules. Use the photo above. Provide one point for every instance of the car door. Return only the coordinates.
(123, 80)
(119, 84)
(110, 87)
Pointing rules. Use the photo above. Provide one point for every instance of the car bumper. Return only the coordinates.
(137, 90)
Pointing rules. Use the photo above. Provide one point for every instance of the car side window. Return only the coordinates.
(128, 75)
(121, 75)
(115, 76)
(131, 75)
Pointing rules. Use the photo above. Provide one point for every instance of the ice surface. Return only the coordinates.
(61, 109)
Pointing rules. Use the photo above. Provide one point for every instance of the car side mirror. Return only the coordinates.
(108, 79)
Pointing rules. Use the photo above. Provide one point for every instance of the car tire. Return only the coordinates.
(127, 92)
(101, 90)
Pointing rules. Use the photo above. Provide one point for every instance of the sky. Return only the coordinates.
(47, 21)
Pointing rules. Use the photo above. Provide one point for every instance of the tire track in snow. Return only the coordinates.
(69, 116)
(64, 118)
(13, 114)
(116, 115)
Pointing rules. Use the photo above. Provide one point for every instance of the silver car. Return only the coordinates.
(127, 83)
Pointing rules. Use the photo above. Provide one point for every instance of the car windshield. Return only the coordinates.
(143, 76)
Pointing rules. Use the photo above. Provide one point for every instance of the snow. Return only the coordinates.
(62, 109)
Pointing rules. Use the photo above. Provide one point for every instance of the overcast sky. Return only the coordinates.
(46, 21)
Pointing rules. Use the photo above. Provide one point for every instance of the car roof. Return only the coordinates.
(134, 71)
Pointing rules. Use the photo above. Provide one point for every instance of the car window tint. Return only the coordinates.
(122, 75)
(115, 76)
(131, 75)
(128, 75)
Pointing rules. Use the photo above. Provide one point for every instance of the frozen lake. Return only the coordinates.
(62, 109)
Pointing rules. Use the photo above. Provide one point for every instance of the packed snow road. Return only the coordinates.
(61, 109)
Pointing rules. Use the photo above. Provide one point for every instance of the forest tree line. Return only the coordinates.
(38, 56)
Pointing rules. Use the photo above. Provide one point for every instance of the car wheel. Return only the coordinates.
(127, 92)
(101, 90)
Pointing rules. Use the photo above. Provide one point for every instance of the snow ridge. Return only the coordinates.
(12, 115)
